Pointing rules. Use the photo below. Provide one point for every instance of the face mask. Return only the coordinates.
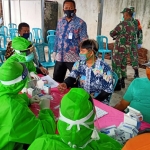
(122, 19)
(69, 13)
(29, 57)
(84, 57)
(26, 35)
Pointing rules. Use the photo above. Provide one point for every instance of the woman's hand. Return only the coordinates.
(62, 87)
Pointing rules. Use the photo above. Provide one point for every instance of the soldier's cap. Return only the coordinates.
(147, 64)
(127, 10)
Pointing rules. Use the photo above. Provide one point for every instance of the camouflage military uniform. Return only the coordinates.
(123, 34)
(137, 40)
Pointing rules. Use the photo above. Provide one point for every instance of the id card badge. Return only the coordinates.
(70, 35)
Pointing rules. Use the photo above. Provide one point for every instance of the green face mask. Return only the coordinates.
(84, 57)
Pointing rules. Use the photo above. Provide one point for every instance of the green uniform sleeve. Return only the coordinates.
(116, 31)
(26, 127)
(129, 93)
(30, 66)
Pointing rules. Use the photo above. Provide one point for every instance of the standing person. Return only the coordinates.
(70, 31)
(123, 33)
(24, 31)
(136, 44)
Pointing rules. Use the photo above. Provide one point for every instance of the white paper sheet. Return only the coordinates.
(52, 82)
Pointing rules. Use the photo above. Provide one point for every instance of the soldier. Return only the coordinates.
(123, 33)
(137, 43)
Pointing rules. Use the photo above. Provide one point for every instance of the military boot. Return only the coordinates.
(118, 85)
(123, 82)
(136, 74)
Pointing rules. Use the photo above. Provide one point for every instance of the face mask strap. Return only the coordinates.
(77, 122)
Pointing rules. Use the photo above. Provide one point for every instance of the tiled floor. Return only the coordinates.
(117, 96)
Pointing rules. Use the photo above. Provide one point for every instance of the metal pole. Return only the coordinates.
(100, 17)
(20, 10)
(9, 6)
(42, 15)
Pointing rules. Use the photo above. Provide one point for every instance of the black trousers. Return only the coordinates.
(60, 70)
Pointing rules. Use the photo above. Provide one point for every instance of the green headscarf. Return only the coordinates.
(76, 108)
(13, 77)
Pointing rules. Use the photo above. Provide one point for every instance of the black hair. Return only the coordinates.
(23, 24)
(72, 1)
(130, 14)
(89, 44)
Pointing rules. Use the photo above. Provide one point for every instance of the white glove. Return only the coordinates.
(35, 99)
(33, 75)
(45, 101)
(54, 55)
(24, 90)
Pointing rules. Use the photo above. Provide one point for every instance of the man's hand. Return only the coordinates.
(43, 70)
(62, 87)
(54, 55)
(122, 105)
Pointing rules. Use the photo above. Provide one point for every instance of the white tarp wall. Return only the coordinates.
(29, 12)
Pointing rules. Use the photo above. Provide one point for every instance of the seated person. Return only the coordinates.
(76, 127)
(18, 124)
(24, 31)
(24, 53)
(138, 95)
(94, 75)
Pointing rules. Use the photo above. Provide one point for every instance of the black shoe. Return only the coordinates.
(122, 82)
(136, 74)
(118, 86)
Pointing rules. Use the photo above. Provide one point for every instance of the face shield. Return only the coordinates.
(26, 55)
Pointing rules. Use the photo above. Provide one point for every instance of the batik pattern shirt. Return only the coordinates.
(93, 79)
(68, 36)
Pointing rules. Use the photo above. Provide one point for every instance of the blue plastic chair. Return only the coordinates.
(101, 49)
(50, 39)
(115, 80)
(12, 25)
(1, 60)
(2, 45)
(37, 35)
(4, 30)
(30, 37)
(41, 55)
(51, 32)
(13, 33)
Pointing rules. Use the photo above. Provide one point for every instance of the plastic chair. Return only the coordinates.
(101, 49)
(1, 60)
(4, 30)
(50, 39)
(2, 45)
(51, 32)
(30, 37)
(115, 80)
(13, 33)
(37, 35)
(41, 55)
(12, 25)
